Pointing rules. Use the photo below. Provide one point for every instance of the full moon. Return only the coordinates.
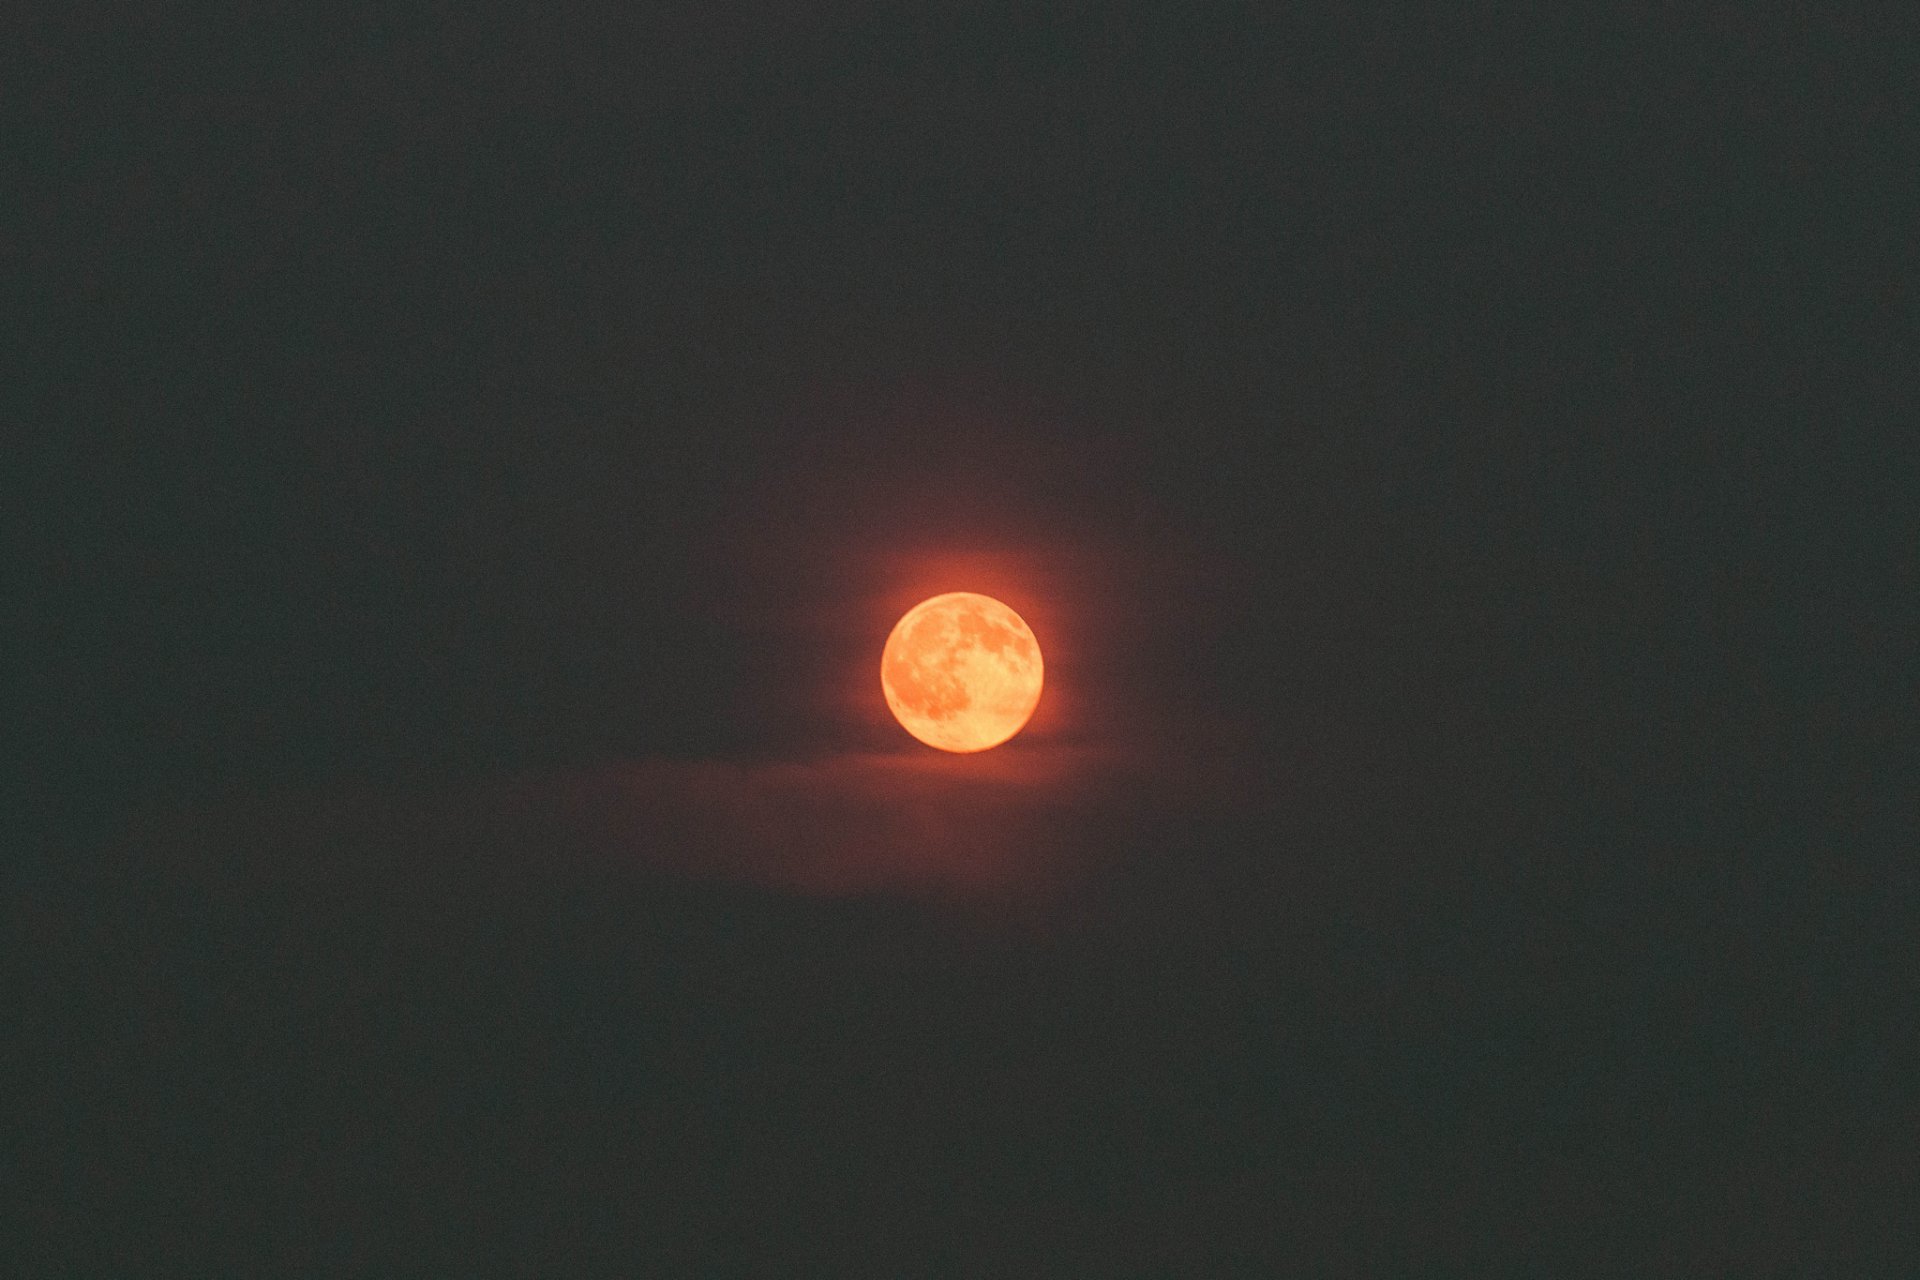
(961, 672)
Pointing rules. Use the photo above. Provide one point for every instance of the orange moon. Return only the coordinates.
(961, 672)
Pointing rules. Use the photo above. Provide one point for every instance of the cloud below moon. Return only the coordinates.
(1020, 822)
(904, 822)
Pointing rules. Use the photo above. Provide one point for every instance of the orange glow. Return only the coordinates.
(961, 672)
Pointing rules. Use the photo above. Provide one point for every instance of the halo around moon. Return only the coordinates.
(961, 672)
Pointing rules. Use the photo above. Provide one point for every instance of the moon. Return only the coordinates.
(961, 672)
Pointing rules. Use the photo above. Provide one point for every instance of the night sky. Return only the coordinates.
(463, 462)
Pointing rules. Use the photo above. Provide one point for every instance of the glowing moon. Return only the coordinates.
(961, 672)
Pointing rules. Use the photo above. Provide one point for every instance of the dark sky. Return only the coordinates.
(465, 460)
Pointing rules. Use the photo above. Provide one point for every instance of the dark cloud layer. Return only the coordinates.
(1022, 825)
